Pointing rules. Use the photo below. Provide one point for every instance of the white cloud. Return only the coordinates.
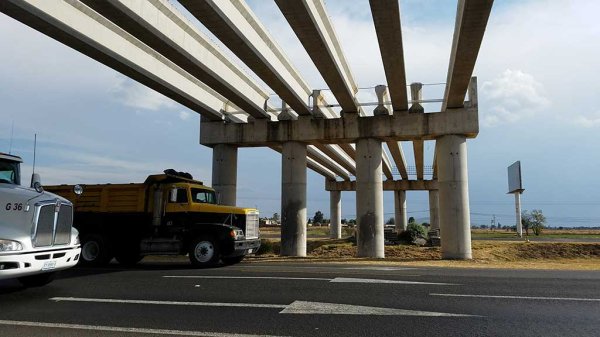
(84, 166)
(133, 94)
(512, 96)
(587, 121)
(184, 115)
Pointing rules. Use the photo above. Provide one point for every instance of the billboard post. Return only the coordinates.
(515, 186)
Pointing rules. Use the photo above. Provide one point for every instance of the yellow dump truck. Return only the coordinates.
(168, 214)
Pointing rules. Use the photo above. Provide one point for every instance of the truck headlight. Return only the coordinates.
(10, 246)
(76, 240)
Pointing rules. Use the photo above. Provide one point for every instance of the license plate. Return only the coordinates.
(250, 251)
(49, 265)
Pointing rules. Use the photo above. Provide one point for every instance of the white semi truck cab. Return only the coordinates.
(37, 237)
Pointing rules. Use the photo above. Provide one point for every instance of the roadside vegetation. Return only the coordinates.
(547, 233)
(486, 253)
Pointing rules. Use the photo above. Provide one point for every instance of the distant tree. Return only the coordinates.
(538, 221)
(318, 218)
(275, 217)
(344, 221)
(390, 221)
(411, 220)
(526, 221)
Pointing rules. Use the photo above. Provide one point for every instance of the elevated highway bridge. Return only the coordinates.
(154, 43)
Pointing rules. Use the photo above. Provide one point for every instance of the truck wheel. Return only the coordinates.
(95, 250)
(37, 280)
(232, 260)
(204, 252)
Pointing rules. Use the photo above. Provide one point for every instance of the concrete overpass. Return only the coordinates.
(154, 43)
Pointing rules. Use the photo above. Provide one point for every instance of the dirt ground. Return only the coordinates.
(486, 254)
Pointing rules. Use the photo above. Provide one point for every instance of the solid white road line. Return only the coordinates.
(199, 304)
(327, 268)
(317, 308)
(379, 268)
(363, 280)
(334, 280)
(521, 297)
(162, 332)
(252, 277)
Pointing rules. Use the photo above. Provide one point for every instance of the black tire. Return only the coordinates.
(95, 250)
(37, 280)
(232, 260)
(204, 252)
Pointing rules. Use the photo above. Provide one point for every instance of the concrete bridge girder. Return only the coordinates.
(235, 25)
(386, 18)
(312, 164)
(471, 21)
(312, 26)
(77, 26)
(159, 25)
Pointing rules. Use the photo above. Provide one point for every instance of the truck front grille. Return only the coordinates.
(63, 225)
(52, 225)
(252, 225)
(44, 232)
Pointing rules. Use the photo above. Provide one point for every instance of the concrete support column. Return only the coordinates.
(369, 198)
(293, 199)
(434, 204)
(455, 221)
(400, 219)
(224, 173)
(335, 211)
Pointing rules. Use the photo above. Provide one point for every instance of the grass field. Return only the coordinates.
(547, 233)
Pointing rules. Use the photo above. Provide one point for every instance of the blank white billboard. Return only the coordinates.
(514, 178)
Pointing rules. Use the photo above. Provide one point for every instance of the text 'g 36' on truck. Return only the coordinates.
(168, 214)
(36, 233)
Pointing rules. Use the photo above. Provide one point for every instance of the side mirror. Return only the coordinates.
(36, 183)
(173, 195)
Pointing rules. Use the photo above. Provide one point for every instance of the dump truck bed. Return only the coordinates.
(105, 198)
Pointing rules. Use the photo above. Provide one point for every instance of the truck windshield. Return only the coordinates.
(9, 172)
(203, 196)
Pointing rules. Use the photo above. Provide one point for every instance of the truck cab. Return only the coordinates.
(193, 206)
(37, 237)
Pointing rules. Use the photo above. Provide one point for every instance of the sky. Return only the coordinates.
(537, 75)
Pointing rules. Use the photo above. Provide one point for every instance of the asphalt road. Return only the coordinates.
(302, 299)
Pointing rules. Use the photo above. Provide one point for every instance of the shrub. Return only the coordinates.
(412, 232)
(268, 247)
